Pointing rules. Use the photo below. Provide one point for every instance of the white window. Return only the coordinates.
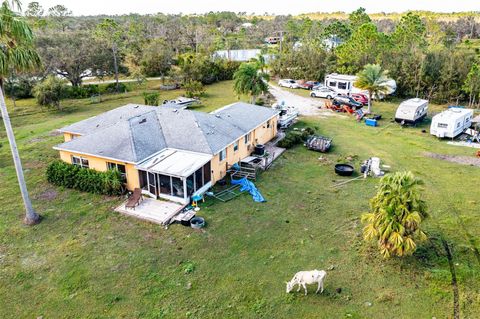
(223, 154)
(80, 161)
(235, 146)
(247, 138)
(442, 125)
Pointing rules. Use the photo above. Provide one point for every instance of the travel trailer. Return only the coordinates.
(452, 122)
(411, 111)
(344, 84)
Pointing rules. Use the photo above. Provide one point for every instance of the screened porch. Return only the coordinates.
(175, 175)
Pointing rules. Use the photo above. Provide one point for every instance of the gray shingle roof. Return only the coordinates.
(245, 116)
(134, 132)
(106, 119)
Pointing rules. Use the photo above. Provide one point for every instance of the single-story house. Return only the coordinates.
(168, 152)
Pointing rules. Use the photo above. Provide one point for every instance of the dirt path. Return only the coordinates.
(306, 106)
(459, 159)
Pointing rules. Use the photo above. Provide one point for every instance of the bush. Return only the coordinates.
(226, 69)
(396, 213)
(296, 137)
(81, 92)
(193, 89)
(83, 179)
(20, 88)
(152, 98)
(112, 88)
(50, 91)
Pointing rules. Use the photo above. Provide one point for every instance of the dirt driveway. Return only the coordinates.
(307, 106)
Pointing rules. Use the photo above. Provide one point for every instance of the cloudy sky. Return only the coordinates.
(93, 7)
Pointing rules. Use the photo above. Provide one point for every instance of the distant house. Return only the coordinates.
(240, 55)
(332, 42)
(168, 152)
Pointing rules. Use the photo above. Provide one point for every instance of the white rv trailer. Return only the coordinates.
(452, 122)
(411, 111)
(344, 84)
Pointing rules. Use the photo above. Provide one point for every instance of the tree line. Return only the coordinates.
(428, 57)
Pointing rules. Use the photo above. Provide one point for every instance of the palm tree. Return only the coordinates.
(373, 79)
(17, 53)
(250, 80)
(395, 215)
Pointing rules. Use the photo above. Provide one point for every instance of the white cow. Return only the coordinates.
(304, 278)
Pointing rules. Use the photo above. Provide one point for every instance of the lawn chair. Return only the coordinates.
(135, 199)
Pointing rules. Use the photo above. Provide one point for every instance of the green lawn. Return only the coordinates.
(85, 261)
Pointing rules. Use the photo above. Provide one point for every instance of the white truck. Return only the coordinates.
(451, 123)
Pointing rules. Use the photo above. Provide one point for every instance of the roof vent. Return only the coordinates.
(217, 115)
(98, 125)
(136, 106)
(142, 121)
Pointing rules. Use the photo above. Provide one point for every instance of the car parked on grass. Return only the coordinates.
(347, 100)
(289, 83)
(323, 92)
(359, 97)
(309, 85)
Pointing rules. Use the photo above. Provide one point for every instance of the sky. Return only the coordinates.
(111, 7)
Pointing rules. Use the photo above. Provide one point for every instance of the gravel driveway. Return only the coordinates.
(306, 106)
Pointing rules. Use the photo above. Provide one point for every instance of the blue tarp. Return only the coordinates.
(250, 187)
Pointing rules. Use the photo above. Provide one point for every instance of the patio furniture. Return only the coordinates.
(135, 199)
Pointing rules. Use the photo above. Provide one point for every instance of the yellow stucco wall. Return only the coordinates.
(260, 135)
(100, 164)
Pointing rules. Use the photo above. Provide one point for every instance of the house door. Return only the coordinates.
(152, 184)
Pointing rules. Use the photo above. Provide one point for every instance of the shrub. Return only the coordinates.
(395, 215)
(83, 179)
(20, 88)
(112, 88)
(193, 89)
(50, 91)
(226, 69)
(81, 92)
(151, 98)
(296, 137)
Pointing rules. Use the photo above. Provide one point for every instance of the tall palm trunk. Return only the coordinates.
(115, 67)
(31, 217)
(369, 110)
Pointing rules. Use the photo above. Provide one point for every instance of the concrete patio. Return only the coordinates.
(156, 211)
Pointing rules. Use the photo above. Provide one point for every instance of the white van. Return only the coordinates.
(411, 111)
(452, 122)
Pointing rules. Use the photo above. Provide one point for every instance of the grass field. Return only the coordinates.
(85, 261)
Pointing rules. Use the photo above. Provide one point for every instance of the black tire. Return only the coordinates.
(329, 97)
(313, 94)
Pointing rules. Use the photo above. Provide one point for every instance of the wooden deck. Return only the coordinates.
(156, 211)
